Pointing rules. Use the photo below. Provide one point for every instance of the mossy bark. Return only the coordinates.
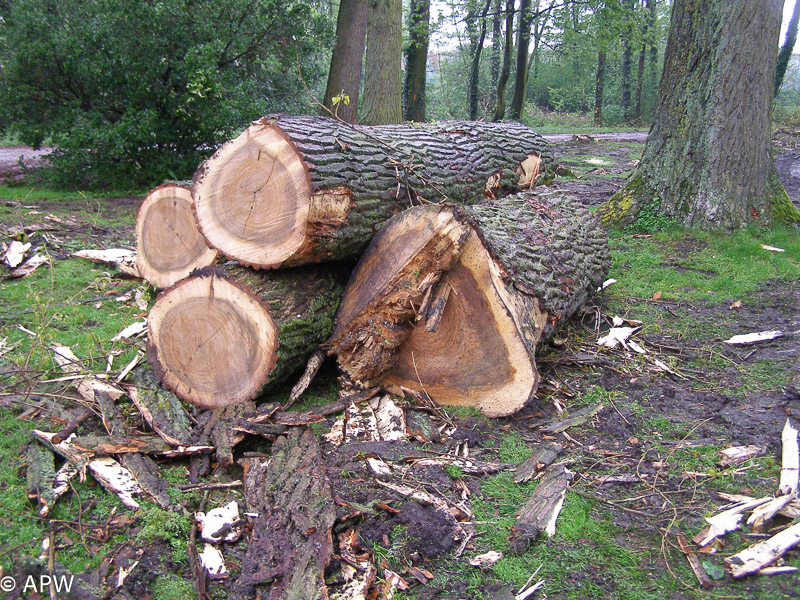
(707, 161)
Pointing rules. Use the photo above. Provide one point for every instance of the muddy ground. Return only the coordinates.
(625, 459)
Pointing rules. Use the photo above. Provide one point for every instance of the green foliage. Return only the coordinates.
(513, 449)
(650, 219)
(133, 93)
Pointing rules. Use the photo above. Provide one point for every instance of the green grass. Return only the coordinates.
(698, 265)
(582, 555)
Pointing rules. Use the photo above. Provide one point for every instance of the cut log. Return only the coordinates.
(218, 337)
(169, 246)
(291, 543)
(515, 270)
(298, 190)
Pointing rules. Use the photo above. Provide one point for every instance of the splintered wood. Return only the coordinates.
(754, 558)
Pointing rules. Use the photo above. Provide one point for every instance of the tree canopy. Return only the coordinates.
(134, 92)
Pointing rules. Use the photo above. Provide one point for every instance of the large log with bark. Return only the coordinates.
(169, 246)
(291, 543)
(454, 301)
(298, 190)
(220, 336)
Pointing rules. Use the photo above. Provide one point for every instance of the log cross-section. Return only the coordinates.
(219, 336)
(169, 246)
(299, 190)
(517, 269)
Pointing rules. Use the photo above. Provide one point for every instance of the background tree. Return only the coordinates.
(416, 55)
(521, 74)
(505, 70)
(707, 161)
(382, 70)
(132, 93)
(788, 47)
(348, 54)
(475, 23)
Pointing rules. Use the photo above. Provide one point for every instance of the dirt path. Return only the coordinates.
(14, 160)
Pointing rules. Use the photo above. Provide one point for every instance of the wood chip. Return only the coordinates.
(738, 454)
(577, 418)
(705, 581)
(212, 561)
(217, 520)
(486, 560)
(29, 266)
(726, 521)
(15, 253)
(542, 457)
(752, 559)
(787, 488)
(754, 338)
(124, 260)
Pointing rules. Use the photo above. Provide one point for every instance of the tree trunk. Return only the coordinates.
(297, 190)
(500, 108)
(169, 245)
(345, 72)
(651, 7)
(637, 99)
(521, 76)
(291, 543)
(497, 42)
(382, 84)
(626, 59)
(416, 61)
(707, 161)
(453, 301)
(220, 336)
(788, 47)
(598, 87)
(475, 65)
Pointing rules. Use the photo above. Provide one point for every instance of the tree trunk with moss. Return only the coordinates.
(707, 162)
(419, 16)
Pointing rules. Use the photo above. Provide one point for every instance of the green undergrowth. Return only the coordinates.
(685, 265)
(583, 560)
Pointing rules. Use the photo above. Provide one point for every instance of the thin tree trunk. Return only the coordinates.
(345, 72)
(707, 161)
(626, 60)
(497, 42)
(637, 100)
(474, 71)
(598, 88)
(382, 84)
(651, 7)
(500, 109)
(416, 61)
(788, 47)
(521, 76)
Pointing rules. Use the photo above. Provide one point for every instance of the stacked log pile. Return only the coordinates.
(292, 197)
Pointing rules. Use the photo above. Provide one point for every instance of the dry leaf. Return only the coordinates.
(657, 295)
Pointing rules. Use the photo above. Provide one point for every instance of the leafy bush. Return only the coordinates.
(134, 92)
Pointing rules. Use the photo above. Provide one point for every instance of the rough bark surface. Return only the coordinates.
(160, 408)
(291, 542)
(540, 512)
(222, 335)
(348, 53)
(707, 161)
(169, 245)
(342, 182)
(382, 84)
(487, 282)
